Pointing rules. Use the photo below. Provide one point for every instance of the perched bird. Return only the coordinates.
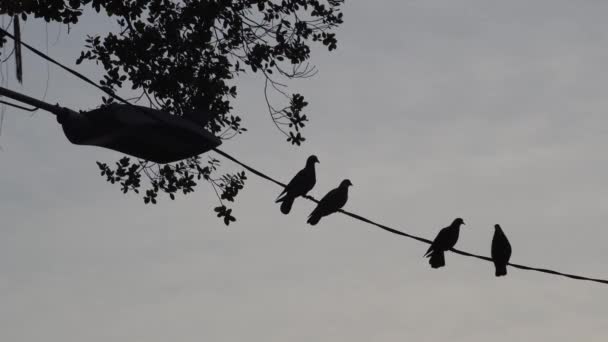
(300, 185)
(501, 251)
(445, 240)
(332, 202)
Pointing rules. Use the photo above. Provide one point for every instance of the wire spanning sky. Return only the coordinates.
(493, 112)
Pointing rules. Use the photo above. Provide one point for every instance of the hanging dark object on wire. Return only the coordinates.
(138, 131)
(134, 130)
(18, 56)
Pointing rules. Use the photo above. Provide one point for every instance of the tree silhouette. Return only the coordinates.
(184, 57)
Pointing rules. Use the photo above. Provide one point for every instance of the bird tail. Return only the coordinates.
(501, 270)
(281, 196)
(286, 203)
(314, 219)
(437, 259)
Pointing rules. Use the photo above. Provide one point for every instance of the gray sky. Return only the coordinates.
(493, 111)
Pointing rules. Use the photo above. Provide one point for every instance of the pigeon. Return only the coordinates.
(445, 240)
(300, 185)
(501, 251)
(330, 203)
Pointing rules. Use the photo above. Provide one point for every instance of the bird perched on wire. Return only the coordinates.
(330, 203)
(501, 251)
(300, 185)
(445, 240)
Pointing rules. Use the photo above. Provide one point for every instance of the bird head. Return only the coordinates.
(345, 183)
(458, 222)
(497, 227)
(312, 160)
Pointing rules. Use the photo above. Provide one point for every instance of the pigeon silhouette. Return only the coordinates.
(445, 240)
(501, 251)
(330, 203)
(300, 185)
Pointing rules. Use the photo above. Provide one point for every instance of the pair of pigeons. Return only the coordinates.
(448, 236)
(303, 182)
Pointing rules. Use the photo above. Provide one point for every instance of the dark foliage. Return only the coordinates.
(184, 57)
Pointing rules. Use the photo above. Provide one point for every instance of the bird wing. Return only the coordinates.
(436, 242)
(501, 248)
(331, 202)
(445, 240)
(300, 184)
(508, 249)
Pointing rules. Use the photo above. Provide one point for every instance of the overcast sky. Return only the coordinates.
(494, 111)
